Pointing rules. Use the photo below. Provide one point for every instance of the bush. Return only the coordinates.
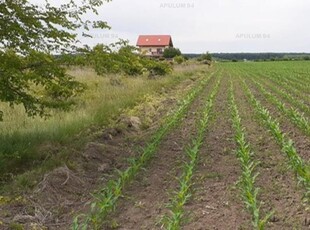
(157, 67)
(179, 59)
(205, 57)
(171, 52)
(124, 60)
(307, 58)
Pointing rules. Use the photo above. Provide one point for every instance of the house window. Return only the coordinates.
(159, 50)
(150, 49)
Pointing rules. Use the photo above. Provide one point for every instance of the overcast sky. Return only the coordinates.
(211, 25)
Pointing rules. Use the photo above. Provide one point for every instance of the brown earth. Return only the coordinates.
(144, 201)
(216, 203)
(279, 191)
(301, 141)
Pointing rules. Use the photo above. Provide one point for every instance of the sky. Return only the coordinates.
(198, 26)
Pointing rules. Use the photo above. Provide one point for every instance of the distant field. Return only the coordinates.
(233, 153)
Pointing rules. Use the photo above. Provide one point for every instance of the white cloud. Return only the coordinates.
(214, 25)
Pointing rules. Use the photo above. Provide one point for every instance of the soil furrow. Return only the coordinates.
(268, 84)
(278, 187)
(302, 142)
(215, 203)
(144, 199)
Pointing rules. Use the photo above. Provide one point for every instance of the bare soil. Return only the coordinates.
(145, 199)
(279, 190)
(301, 141)
(216, 203)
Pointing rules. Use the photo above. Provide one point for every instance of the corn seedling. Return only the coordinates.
(248, 165)
(106, 199)
(173, 221)
(294, 115)
(297, 164)
(290, 98)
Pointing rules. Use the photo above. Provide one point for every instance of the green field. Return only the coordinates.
(231, 151)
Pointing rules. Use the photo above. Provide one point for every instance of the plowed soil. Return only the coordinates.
(215, 201)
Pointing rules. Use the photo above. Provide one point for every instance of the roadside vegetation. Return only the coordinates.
(22, 136)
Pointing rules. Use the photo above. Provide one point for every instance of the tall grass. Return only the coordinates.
(20, 135)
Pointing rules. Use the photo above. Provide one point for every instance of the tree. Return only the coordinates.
(205, 57)
(122, 58)
(171, 52)
(307, 58)
(30, 36)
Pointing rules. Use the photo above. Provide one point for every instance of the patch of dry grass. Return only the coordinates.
(20, 135)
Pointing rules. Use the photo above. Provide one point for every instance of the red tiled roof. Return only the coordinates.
(154, 40)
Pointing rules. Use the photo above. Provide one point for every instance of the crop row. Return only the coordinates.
(287, 145)
(173, 221)
(294, 115)
(290, 98)
(107, 198)
(295, 81)
(283, 88)
(301, 79)
(248, 165)
(289, 87)
(278, 78)
(289, 79)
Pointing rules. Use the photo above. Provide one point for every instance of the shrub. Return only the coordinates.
(171, 52)
(179, 59)
(157, 67)
(205, 57)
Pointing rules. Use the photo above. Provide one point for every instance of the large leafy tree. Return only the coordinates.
(30, 37)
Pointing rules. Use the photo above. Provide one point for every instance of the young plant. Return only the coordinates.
(173, 221)
(248, 165)
(107, 198)
(301, 169)
(294, 115)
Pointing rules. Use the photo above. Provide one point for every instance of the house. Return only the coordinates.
(154, 45)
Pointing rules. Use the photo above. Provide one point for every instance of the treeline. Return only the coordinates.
(117, 58)
(256, 56)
